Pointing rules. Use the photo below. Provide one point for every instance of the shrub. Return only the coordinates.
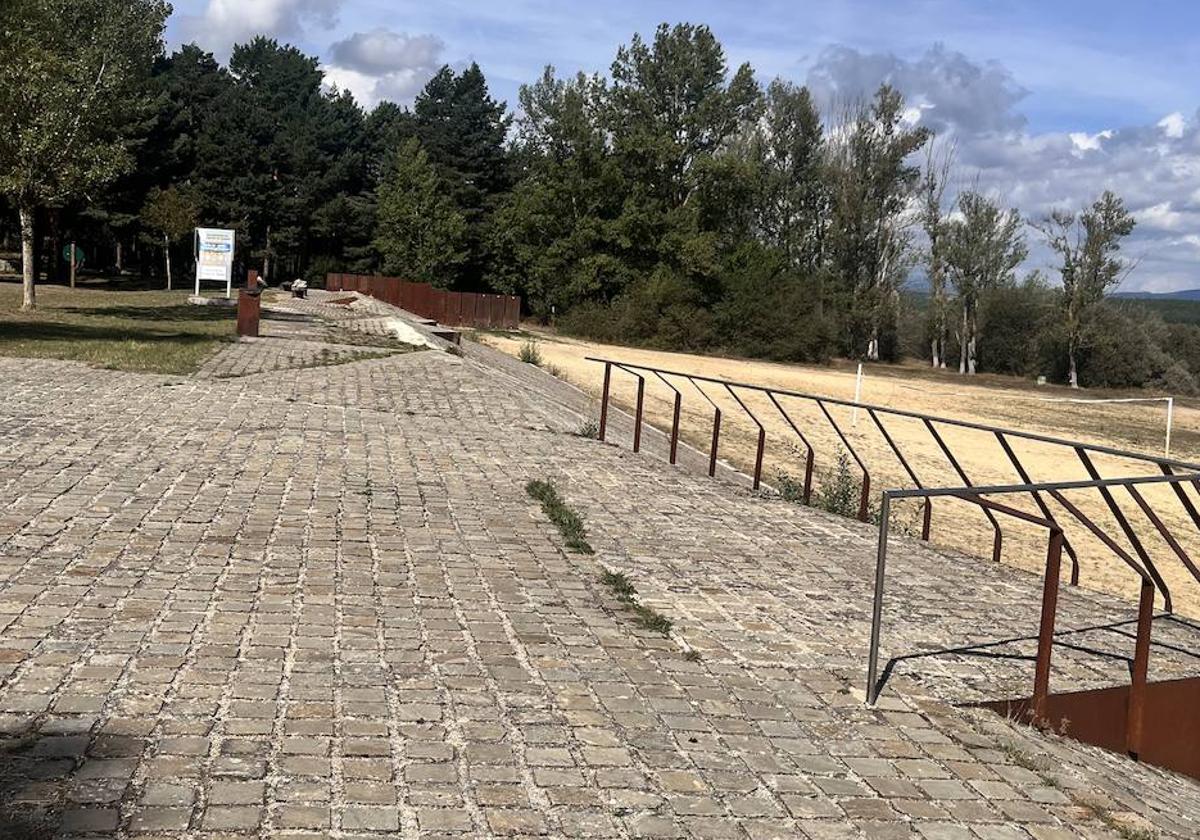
(840, 490)
(590, 430)
(791, 488)
(530, 354)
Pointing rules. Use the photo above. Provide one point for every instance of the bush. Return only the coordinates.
(840, 490)
(530, 354)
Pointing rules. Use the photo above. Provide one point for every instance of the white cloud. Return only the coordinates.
(952, 91)
(224, 23)
(1173, 125)
(1085, 142)
(382, 64)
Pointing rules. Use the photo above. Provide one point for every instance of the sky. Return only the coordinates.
(1047, 103)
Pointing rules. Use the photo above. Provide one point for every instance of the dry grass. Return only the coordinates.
(1000, 401)
(149, 332)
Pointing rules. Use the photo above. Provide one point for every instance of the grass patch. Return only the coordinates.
(568, 522)
(146, 332)
(626, 593)
(338, 334)
(590, 430)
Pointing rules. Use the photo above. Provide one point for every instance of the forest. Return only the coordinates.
(670, 200)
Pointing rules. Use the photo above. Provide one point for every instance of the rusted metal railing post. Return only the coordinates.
(1136, 714)
(604, 400)
(716, 438)
(1041, 678)
(637, 417)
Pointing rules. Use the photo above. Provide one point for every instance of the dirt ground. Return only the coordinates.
(993, 400)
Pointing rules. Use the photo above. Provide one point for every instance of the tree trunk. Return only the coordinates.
(119, 265)
(167, 257)
(962, 343)
(1074, 373)
(28, 290)
(933, 353)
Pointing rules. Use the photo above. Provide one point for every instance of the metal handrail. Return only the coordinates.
(1145, 571)
(899, 412)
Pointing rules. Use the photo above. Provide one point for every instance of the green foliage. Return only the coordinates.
(1016, 319)
(463, 129)
(840, 490)
(568, 522)
(790, 487)
(1088, 246)
(171, 213)
(421, 235)
(530, 354)
(626, 593)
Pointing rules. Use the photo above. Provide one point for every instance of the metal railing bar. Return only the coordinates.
(950, 421)
(928, 505)
(997, 532)
(809, 461)
(762, 436)
(1164, 531)
(1046, 486)
(1127, 529)
(864, 496)
(1042, 506)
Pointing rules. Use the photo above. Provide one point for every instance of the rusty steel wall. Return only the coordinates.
(452, 309)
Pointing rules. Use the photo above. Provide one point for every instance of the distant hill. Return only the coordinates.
(1186, 294)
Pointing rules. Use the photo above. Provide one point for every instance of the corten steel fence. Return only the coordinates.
(1141, 520)
(933, 426)
(452, 309)
(1135, 723)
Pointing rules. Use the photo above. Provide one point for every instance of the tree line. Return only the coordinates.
(674, 201)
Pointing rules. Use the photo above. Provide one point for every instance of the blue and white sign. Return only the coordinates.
(214, 257)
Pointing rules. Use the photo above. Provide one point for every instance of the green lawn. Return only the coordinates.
(151, 332)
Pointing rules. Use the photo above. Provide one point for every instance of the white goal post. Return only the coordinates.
(1170, 402)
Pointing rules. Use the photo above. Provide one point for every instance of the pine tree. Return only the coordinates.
(463, 130)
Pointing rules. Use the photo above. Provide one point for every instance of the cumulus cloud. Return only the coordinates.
(944, 88)
(224, 23)
(383, 64)
(1155, 167)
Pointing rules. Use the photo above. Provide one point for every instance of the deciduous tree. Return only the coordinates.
(1088, 245)
(421, 234)
(72, 74)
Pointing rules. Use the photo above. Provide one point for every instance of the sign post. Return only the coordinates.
(214, 257)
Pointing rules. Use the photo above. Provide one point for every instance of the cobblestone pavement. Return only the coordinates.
(316, 602)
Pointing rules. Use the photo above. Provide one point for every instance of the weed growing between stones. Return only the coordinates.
(625, 592)
(568, 522)
(590, 430)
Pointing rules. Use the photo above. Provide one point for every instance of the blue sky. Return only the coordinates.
(1048, 102)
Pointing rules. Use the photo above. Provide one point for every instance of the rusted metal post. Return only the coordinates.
(1135, 719)
(716, 437)
(997, 533)
(1126, 528)
(811, 456)
(1041, 679)
(675, 426)
(604, 400)
(637, 418)
(249, 307)
(928, 505)
(758, 458)
(864, 497)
